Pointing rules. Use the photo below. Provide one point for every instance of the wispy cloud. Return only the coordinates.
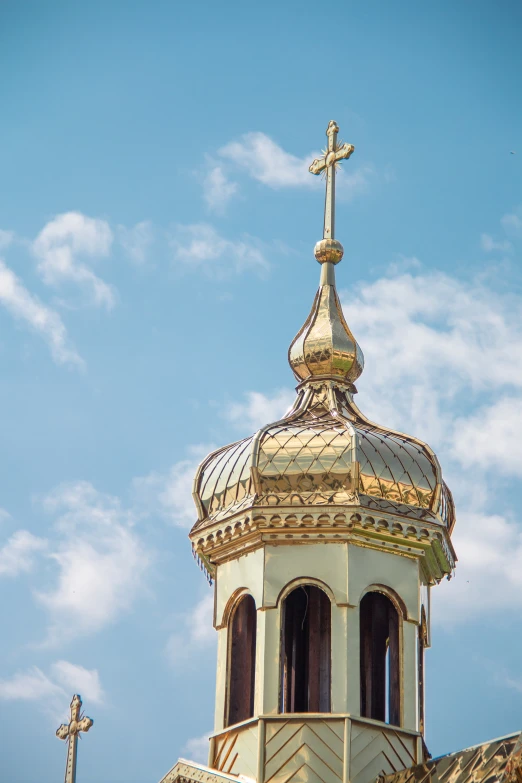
(52, 692)
(512, 223)
(18, 554)
(491, 437)
(491, 245)
(201, 246)
(28, 309)
(198, 634)
(63, 241)
(136, 241)
(170, 493)
(6, 237)
(100, 561)
(266, 161)
(197, 748)
(218, 189)
(258, 409)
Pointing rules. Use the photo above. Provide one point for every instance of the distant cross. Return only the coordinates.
(332, 155)
(70, 733)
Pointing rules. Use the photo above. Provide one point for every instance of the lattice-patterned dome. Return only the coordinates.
(324, 452)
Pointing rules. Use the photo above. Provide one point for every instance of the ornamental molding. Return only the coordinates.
(222, 541)
(191, 772)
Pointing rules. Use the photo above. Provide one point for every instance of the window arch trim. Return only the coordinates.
(231, 605)
(393, 596)
(304, 581)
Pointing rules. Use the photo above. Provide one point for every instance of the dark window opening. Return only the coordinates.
(306, 655)
(242, 661)
(380, 662)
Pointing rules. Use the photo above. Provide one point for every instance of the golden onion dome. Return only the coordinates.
(325, 346)
(324, 452)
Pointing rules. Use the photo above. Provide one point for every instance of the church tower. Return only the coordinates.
(323, 533)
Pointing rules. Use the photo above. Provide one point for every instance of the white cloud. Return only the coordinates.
(77, 679)
(198, 633)
(430, 340)
(218, 189)
(65, 679)
(18, 554)
(512, 223)
(491, 437)
(259, 409)
(27, 308)
(200, 245)
(170, 494)
(488, 577)
(265, 161)
(489, 244)
(137, 240)
(6, 237)
(197, 748)
(444, 363)
(4, 515)
(30, 685)
(351, 181)
(67, 237)
(100, 560)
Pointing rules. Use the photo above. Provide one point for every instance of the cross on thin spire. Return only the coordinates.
(70, 731)
(334, 153)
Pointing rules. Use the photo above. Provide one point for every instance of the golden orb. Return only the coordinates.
(328, 250)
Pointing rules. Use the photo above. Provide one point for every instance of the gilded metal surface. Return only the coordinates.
(328, 251)
(499, 760)
(325, 346)
(70, 731)
(324, 451)
(327, 164)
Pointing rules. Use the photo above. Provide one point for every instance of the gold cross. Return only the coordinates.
(334, 153)
(70, 731)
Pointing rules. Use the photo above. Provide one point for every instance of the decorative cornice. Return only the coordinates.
(255, 528)
(191, 772)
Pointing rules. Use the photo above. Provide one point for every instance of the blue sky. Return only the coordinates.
(157, 224)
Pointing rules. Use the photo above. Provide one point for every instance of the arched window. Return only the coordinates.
(380, 659)
(306, 651)
(241, 661)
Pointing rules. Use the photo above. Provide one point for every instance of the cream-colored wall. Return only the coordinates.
(410, 710)
(221, 679)
(243, 573)
(351, 662)
(339, 652)
(327, 563)
(347, 571)
(368, 567)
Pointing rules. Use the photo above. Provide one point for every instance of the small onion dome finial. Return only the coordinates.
(325, 345)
